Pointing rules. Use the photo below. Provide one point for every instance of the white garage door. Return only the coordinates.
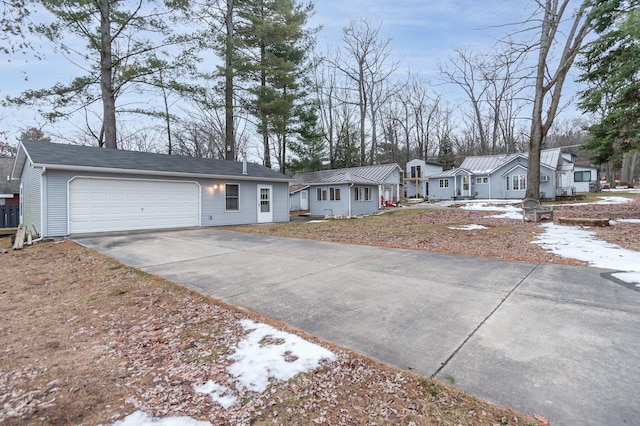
(102, 205)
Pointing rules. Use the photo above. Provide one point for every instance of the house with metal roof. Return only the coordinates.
(503, 177)
(69, 189)
(354, 191)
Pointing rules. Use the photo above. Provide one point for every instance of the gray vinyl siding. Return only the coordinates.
(359, 208)
(55, 206)
(328, 207)
(31, 200)
(437, 193)
(212, 201)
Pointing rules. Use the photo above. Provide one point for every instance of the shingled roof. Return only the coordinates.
(84, 158)
(7, 186)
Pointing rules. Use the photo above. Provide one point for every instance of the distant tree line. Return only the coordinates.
(218, 78)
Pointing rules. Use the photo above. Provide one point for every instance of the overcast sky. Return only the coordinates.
(423, 33)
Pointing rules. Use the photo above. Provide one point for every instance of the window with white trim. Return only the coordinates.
(482, 180)
(584, 176)
(444, 183)
(519, 183)
(331, 193)
(363, 193)
(232, 197)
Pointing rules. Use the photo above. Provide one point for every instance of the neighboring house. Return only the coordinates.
(298, 198)
(354, 191)
(9, 189)
(9, 195)
(68, 189)
(585, 178)
(504, 177)
(416, 177)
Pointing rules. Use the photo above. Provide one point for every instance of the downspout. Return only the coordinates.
(489, 177)
(42, 200)
(350, 186)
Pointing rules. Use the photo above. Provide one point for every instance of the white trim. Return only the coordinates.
(225, 198)
(158, 173)
(259, 187)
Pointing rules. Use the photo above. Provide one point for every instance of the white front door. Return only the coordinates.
(265, 209)
(304, 200)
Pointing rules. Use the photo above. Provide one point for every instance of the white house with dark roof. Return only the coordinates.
(68, 189)
(504, 177)
(352, 191)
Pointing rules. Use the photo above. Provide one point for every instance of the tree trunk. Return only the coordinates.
(546, 82)
(106, 78)
(229, 130)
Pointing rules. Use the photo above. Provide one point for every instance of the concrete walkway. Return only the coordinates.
(562, 342)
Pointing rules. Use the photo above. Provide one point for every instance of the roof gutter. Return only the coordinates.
(157, 173)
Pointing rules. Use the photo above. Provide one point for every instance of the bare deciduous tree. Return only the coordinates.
(550, 76)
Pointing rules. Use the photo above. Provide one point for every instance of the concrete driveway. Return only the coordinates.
(559, 341)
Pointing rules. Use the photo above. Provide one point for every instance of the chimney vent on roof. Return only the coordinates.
(244, 163)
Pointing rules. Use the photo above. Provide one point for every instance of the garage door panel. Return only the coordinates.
(102, 205)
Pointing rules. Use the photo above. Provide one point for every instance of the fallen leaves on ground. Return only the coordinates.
(429, 229)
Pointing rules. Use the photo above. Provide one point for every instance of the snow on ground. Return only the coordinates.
(470, 227)
(571, 241)
(288, 355)
(613, 222)
(603, 200)
(265, 353)
(629, 190)
(139, 418)
(581, 244)
(510, 211)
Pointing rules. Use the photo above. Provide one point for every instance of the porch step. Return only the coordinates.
(583, 221)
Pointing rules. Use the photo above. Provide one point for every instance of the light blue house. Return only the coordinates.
(69, 189)
(503, 177)
(353, 191)
(416, 177)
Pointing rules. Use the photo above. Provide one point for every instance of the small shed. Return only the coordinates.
(69, 189)
(298, 198)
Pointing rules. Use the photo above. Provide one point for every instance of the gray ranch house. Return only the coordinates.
(504, 177)
(353, 191)
(416, 177)
(68, 189)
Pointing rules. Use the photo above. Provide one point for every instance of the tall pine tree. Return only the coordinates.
(274, 42)
(611, 65)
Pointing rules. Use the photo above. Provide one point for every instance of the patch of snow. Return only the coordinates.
(630, 190)
(577, 243)
(470, 227)
(140, 418)
(256, 362)
(515, 214)
(613, 222)
(317, 221)
(218, 393)
(603, 200)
